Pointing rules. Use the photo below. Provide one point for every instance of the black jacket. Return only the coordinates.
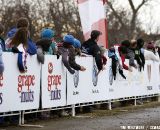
(90, 47)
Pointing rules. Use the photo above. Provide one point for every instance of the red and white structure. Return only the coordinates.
(93, 17)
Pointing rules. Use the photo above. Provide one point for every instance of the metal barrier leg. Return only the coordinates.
(109, 105)
(21, 122)
(20, 118)
(73, 110)
(135, 101)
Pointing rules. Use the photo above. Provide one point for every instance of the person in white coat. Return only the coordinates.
(151, 53)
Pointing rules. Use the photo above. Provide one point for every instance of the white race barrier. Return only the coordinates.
(53, 82)
(19, 91)
(137, 83)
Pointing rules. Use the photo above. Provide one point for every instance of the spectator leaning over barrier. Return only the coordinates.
(140, 45)
(22, 22)
(103, 57)
(19, 45)
(117, 54)
(2, 48)
(130, 53)
(43, 46)
(136, 46)
(49, 34)
(68, 52)
(91, 47)
(151, 53)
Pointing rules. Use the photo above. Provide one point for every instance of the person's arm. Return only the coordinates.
(66, 62)
(142, 57)
(72, 61)
(131, 57)
(40, 55)
(123, 64)
(98, 58)
(154, 57)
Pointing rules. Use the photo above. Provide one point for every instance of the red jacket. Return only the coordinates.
(123, 60)
(123, 64)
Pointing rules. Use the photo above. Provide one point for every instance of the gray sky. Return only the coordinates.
(149, 15)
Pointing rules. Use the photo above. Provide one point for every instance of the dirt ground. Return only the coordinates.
(145, 117)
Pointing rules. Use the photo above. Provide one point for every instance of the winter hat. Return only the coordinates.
(77, 43)
(126, 43)
(95, 34)
(69, 39)
(47, 33)
(150, 46)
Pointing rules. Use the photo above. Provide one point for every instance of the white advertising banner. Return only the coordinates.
(86, 86)
(53, 82)
(136, 83)
(19, 91)
(78, 85)
(151, 78)
(4, 99)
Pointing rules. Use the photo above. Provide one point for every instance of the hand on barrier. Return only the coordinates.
(82, 68)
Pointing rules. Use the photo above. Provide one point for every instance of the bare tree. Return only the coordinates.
(65, 17)
(61, 15)
(133, 26)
